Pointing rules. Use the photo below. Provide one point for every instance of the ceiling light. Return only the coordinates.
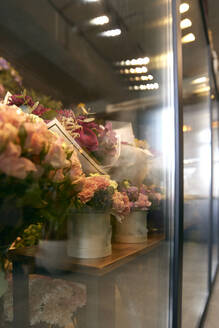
(185, 23)
(215, 124)
(201, 79)
(187, 128)
(183, 7)
(101, 20)
(148, 86)
(90, 1)
(111, 33)
(138, 70)
(134, 61)
(202, 89)
(188, 38)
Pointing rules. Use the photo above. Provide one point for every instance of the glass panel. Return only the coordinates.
(215, 140)
(110, 64)
(197, 166)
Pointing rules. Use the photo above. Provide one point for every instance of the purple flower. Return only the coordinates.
(4, 65)
(132, 193)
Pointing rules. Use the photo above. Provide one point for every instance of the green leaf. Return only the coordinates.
(49, 115)
(22, 135)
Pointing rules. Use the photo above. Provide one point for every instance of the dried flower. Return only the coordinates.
(52, 301)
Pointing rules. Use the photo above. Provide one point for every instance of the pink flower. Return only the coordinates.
(12, 114)
(36, 137)
(56, 156)
(92, 184)
(7, 133)
(121, 207)
(58, 176)
(17, 167)
(75, 174)
(142, 202)
(12, 164)
(12, 150)
(158, 196)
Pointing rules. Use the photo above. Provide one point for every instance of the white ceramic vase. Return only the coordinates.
(89, 235)
(133, 229)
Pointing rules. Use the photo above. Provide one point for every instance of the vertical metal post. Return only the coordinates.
(20, 296)
(177, 262)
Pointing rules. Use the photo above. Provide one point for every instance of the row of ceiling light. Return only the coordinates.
(148, 86)
(185, 23)
(102, 20)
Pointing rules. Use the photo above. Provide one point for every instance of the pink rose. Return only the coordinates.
(92, 184)
(59, 176)
(7, 132)
(12, 150)
(56, 156)
(12, 114)
(121, 207)
(17, 167)
(76, 170)
(142, 202)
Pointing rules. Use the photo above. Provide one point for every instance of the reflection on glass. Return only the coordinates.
(93, 217)
(197, 170)
(215, 209)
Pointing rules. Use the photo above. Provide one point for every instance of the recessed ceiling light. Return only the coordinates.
(184, 7)
(187, 128)
(148, 86)
(201, 79)
(134, 61)
(185, 23)
(111, 33)
(101, 20)
(90, 1)
(202, 89)
(188, 38)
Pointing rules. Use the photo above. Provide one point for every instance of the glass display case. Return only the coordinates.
(107, 108)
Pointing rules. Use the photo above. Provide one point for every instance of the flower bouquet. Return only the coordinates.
(134, 228)
(40, 176)
(89, 225)
(99, 141)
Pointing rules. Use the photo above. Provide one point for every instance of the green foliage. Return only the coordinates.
(102, 199)
(8, 81)
(30, 236)
(44, 100)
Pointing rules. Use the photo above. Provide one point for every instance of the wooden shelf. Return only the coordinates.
(121, 254)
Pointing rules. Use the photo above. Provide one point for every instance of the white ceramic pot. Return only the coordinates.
(133, 229)
(89, 235)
